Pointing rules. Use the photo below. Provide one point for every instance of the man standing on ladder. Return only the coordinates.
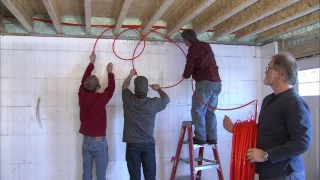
(201, 64)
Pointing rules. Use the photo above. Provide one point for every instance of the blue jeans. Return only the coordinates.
(97, 149)
(204, 119)
(292, 176)
(141, 153)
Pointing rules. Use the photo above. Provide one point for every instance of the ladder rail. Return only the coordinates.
(177, 157)
(191, 153)
(217, 158)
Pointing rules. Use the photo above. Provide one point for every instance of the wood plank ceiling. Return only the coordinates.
(260, 21)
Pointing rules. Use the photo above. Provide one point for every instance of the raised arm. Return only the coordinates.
(89, 69)
(108, 92)
(162, 94)
(164, 98)
(127, 81)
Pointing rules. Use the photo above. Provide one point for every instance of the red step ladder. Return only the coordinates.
(195, 170)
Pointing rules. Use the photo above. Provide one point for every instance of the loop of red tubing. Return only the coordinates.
(244, 137)
(143, 39)
(144, 44)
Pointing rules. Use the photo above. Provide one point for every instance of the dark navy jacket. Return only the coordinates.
(284, 132)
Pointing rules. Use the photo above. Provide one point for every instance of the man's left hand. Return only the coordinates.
(255, 155)
(110, 68)
(92, 57)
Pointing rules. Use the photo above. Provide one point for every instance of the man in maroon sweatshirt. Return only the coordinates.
(94, 121)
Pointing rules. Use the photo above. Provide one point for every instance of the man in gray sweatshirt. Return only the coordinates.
(139, 120)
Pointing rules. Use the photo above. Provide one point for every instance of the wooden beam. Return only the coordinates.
(188, 11)
(220, 11)
(87, 8)
(253, 13)
(2, 29)
(36, 8)
(153, 12)
(120, 14)
(289, 26)
(290, 13)
(306, 34)
(22, 11)
(258, 11)
(306, 49)
(54, 14)
(301, 37)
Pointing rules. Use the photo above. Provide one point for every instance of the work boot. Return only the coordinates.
(212, 141)
(196, 141)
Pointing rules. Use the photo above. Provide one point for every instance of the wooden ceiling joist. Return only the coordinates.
(312, 33)
(38, 6)
(120, 14)
(220, 11)
(295, 11)
(153, 12)
(306, 49)
(87, 8)
(54, 14)
(188, 11)
(22, 11)
(252, 14)
(289, 26)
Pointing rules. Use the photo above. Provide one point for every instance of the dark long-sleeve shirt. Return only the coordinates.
(139, 116)
(93, 115)
(201, 63)
(284, 132)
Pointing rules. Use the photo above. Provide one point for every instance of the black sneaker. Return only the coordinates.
(196, 141)
(211, 141)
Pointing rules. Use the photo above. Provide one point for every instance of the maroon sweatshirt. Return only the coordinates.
(93, 114)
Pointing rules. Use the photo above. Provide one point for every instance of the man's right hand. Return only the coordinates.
(227, 124)
(109, 68)
(92, 57)
(133, 72)
(155, 87)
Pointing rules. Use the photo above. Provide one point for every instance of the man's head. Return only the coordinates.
(281, 69)
(91, 84)
(141, 86)
(189, 37)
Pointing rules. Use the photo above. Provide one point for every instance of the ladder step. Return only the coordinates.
(206, 166)
(198, 159)
(213, 164)
(188, 177)
(199, 145)
(205, 160)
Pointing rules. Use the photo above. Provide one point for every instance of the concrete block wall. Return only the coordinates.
(52, 67)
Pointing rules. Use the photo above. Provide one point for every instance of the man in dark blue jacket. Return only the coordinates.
(284, 129)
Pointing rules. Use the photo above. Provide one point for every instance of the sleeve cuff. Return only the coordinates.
(270, 156)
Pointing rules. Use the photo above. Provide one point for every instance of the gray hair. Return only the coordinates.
(286, 63)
